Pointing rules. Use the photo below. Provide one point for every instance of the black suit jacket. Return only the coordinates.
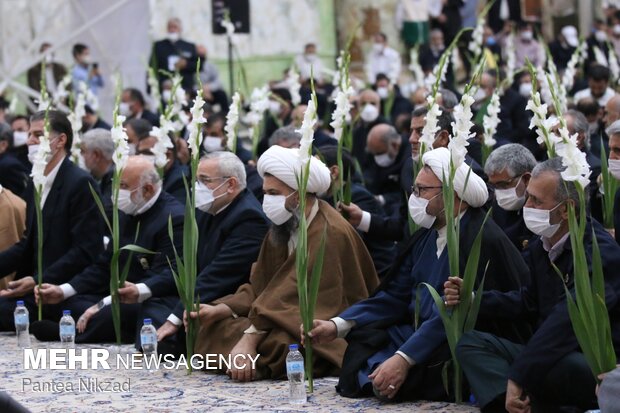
(173, 181)
(514, 120)
(72, 229)
(150, 117)
(151, 269)
(163, 49)
(13, 174)
(229, 244)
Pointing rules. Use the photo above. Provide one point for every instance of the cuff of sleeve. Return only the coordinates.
(67, 290)
(107, 300)
(364, 225)
(144, 291)
(406, 357)
(253, 330)
(175, 320)
(342, 326)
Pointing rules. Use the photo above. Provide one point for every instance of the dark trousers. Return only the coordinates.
(486, 361)
(7, 308)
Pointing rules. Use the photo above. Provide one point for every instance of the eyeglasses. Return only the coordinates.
(417, 189)
(507, 183)
(208, 180)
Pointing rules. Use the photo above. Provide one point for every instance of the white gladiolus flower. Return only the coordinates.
(259, 103)
(40, 161)
(614, 68)
(153, 83)
(414, 66)
(61, 90)
(430, 126)
(75, 118)
(545, 88)
(568, 78)
(540, 122)
(163, 142)
(577, 168)
(121, 146)
(231, 122)
(342, 113)
(511, 59)
(293, 86)
(600, 57)
(475, 45)
(490, 121)
(462, 129)
(307, 132)
(195, 126)
(230, 29)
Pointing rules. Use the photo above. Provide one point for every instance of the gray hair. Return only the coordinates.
(565, 190)
(150, 176)
(229, 165)
(580, 125)
(100, 139)
(448, 98)
(515, 158)
(286, 134)
(613, 129)
(390, 135)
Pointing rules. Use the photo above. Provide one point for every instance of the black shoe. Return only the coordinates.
(45, 330)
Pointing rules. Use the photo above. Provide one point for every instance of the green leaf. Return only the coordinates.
(138, 249)
(317, 271)
(100, 206)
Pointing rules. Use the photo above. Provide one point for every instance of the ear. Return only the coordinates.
(564, 213)
(62, 140)
(526, 178)
(233, 183)
(334, 172)
(148, 190)
(442, 140)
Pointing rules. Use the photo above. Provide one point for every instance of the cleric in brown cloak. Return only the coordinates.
(262, 317)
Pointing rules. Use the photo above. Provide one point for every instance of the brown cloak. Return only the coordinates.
(12, 224)
(270, 303)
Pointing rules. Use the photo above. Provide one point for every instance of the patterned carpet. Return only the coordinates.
(172, 390)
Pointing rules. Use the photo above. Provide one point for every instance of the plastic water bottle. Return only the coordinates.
(148, 340)
(22, 323)
(67, 329)
(295, 372)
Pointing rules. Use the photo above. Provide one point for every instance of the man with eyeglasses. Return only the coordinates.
(72, 226)
(398, 356)
(509, 169)
(146, 213)
(231, 226)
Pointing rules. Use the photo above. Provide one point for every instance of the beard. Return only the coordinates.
(280, 234)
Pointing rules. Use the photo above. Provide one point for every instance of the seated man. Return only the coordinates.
(231, 226)
(12, 224)
(262, 317)
(72, 226)
(387, 354)
(147, 209)
(13, 175)
(549, 371)
(509, 168)
(614, 168)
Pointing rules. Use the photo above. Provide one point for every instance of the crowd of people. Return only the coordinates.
(374, 326)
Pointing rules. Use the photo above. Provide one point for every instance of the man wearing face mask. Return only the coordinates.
(85, 71)
(232, 227)
(150, 285)
(368, 107)
(20, 125)
(393, 104)
(382, 59)
(549, 371)
(509, 168)
(175, 173)
(215, 138)
(97, 149)
(174, 54)
(132, 106)
(387, 356)
(387, 152)
(278, 114)
(598, 85)
(13, 175)
(91, 120)
(262, 317)
(527, 47)
(597, 38)
(309, 63)
(72, 226)
(562, 49)
(614, 168)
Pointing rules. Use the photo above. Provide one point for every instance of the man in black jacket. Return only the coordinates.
(231, 227)
(133, 106)
(147, 210)
(13, 174)
(549, 371)
(173, 54)
(72, 226)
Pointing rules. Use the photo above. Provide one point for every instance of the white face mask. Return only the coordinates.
(19, 138)
(132, 148)
(377, 47)
(369, 113)
(86, 60)
(204, 196)
(383, 92)
(125, 203)
(166, 95)
(508, 199)
(600, 36)
(275, 107)
(174, 36)
(384, 160)
(274, 206)
(417, 211)
(49, 58)
(539, 221)
(527, 35)
(34, 149)
(614, 168)
(525, 89)
(616, 30)
(124, 109)
(479, 95)
(212, 144)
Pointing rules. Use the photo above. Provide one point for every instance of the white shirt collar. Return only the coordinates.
(555, 250)
(49, 181)
(442, 236)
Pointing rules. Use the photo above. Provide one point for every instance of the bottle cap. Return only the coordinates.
(66, 312)
(147, 321)
(293, 347)
(20, 302)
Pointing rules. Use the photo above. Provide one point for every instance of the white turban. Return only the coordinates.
(285, 164)
(470, 189)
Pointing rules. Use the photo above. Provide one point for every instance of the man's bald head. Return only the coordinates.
(369, 96)
(383, 138)
(141, 178)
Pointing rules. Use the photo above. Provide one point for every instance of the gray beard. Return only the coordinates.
(280, 234)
